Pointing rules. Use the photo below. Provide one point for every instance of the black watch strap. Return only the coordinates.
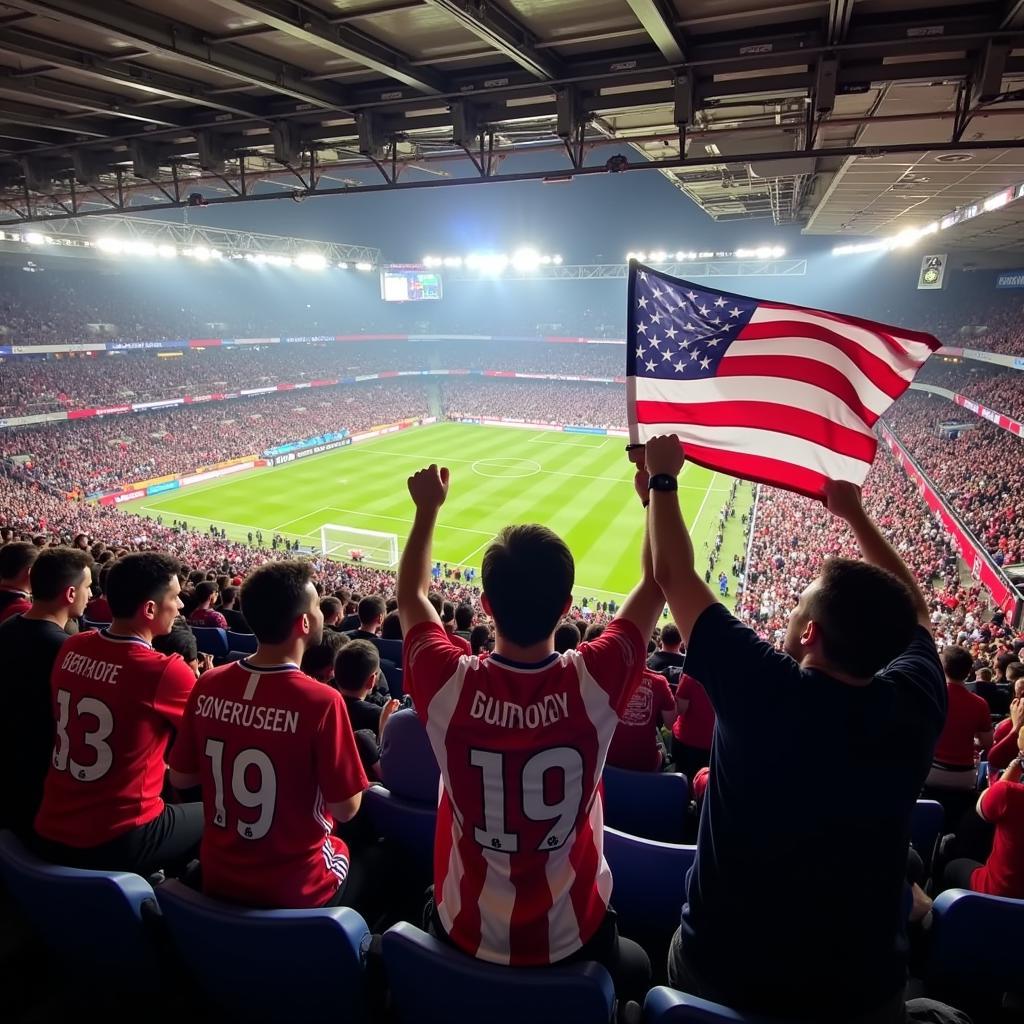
(663, 482)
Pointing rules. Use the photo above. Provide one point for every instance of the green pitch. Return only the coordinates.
(579, 485)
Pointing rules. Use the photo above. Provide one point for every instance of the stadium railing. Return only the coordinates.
(434, 983)
(271, 965)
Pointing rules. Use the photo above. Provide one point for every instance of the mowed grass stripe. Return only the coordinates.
(584, 493)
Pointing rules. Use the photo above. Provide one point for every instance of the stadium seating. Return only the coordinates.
(926, 823)
(433, 983)
(975, 944)
(99, 922)
(244, 643)
(270, 965)
(407, 763)
(648, 804)
(408, 825)
(390, 650)
(647, 913)
(212, 640)
(667, 1006)
(393, 675)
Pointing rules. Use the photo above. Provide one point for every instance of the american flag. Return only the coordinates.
(779, 394)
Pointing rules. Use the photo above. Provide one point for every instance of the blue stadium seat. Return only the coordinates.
(389, 649)
(433, 983)
(975, 943)
(245, 643)
(98, 921)
(926, 823)
(407, 763)
(270, 965)
(211, 640)
(647, 913)
(408, 825)
(89, 624)
(983, 775)
(648, 804)
(667, 1006)
(393, 674)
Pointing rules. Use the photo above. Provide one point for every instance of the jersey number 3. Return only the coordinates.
(97, 739)
(494, 834)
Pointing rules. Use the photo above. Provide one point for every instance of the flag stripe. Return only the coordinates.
(782, 392)
(810, 371)
(765, 416)
(767, 444)
(882, 375)
(918, 344)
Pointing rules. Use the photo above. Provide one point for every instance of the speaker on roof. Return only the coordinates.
(287, 147)
(988, 77)
(825, 85)
(568, 113)
(464, 124)
(372, 142)
(212, 152)
(145, 158)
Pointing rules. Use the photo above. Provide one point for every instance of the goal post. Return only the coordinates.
(354, 545)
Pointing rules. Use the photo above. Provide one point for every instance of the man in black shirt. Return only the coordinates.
(372, 610)
(668, 655)
(230, 610)
(795, 908)
(356, 669)
(29, 644)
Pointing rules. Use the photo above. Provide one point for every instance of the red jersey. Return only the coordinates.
(273, 747)
(207, 617)
(519, 870)
(98, 610)
(967, 716)
(13, 602)
(1003, 873)
(635, 742)
(117, 704)
(697, 727)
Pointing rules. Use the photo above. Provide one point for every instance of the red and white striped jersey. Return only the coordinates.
(273, 747)
(519, 870)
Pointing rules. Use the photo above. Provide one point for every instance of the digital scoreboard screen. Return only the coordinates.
(405, 284)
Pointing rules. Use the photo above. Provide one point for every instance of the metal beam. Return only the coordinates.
(317, 30)
(93, 66)
(161, 35)
(657, 19)
(506, 34)
(1013, 16)
(33, 117)
(840, 12)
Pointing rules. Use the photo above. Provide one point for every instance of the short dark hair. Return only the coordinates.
(228, 595)
(866, 616)
(180, 640)
(56, 569)
(464, 616)
(321, 655)
(1014, 671)
(391, 627)
(435, 601)
(670, 635)
(528, 573)
(447, 611)
(16, 558)
(371, 607)
(594, 630)
(138, 578)
(479, 637)
(1003, 661)
(354, 664)
(274, 596)
(331, 606)
(567, 636)
(204, 591)
(956, 663)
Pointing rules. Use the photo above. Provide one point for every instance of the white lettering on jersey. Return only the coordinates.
(507, 715)
(91, 668)
(268, 719)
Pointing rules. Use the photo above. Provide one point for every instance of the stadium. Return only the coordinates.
(513, 510)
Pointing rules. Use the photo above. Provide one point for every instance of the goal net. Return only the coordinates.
(354, 545)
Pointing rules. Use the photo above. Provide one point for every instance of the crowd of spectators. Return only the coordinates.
(998, 388)
(979, 471)
(29, 386)
(91, 455)
(596, 405)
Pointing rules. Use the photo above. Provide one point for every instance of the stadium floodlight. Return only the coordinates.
(364, 546)
(310, 261)
(35, 238)
(111, 246)
(525, 259)
(364, 266)
(432, 261)
(168, 252)
(557, 260)
(276, 260)
(659, 257)
(137, 247)
(453, 261)
(855, 248)
(343, 265)
(200, 252)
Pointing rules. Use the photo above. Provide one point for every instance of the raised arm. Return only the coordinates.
(843, 500)
(671, 548)
(645, 602)
(428, 488)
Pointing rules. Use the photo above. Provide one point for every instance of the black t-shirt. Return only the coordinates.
(996, 696)
(236, 620)
(28, 649)
(659, 661)
(362, 714)
(796, 898)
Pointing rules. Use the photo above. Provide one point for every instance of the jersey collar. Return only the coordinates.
(524, 666)
(107, 635)
(287, 667)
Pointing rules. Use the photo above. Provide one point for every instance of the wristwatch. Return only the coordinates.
(663, 482)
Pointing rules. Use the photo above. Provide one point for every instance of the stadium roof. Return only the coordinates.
(752, 109)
